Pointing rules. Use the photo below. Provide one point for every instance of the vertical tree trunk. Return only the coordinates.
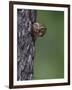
(25, 43)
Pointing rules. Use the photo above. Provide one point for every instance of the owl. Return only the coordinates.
(38, 30)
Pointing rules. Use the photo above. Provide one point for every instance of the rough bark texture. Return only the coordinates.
(25, 44)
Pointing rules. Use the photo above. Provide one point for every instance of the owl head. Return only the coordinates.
(39, 30)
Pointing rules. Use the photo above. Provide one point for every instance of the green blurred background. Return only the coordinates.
(49, 54)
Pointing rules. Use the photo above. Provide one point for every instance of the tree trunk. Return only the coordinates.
(25, 43)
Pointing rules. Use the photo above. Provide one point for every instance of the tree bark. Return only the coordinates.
(25, 43)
